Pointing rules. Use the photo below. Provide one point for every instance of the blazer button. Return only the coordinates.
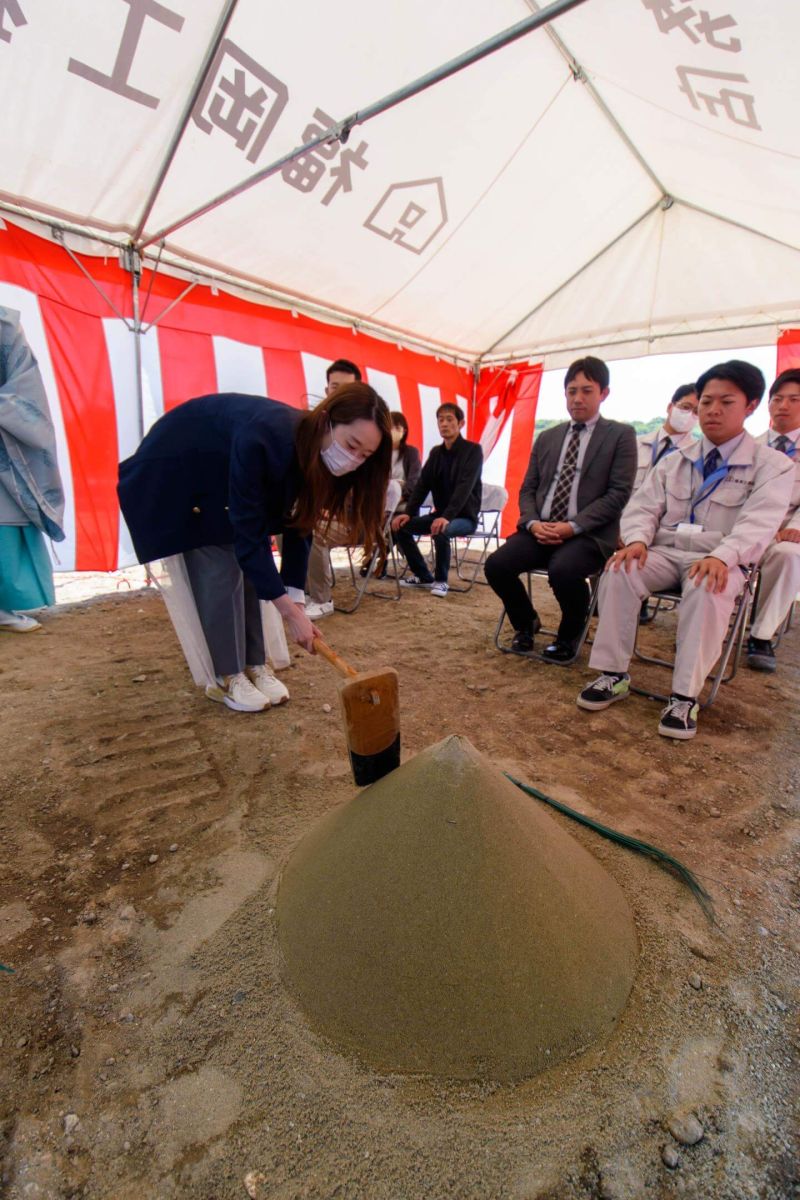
(195, 509)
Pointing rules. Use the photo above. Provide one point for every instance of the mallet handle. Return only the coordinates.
(333, 658)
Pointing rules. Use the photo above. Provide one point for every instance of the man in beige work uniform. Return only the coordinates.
(703, 512)
(780, 566)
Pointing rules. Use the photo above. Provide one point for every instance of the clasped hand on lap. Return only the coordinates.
(551, 533)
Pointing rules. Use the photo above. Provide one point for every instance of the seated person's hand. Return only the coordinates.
(636, 552)
(551, 533)
(787, 535)
(713, 570)
(439, 525)
(399, 522)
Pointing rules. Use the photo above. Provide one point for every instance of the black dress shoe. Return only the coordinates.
(560, 652)
(522, 642)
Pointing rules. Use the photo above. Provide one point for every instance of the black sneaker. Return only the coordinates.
(606, 690)
(679, 718)
(760, 655)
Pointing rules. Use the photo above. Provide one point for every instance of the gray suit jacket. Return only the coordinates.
(605, 485)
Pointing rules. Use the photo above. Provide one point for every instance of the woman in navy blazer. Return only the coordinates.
(218, 476)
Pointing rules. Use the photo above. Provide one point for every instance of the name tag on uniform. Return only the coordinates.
(687, 529)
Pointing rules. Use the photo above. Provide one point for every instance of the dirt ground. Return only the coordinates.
(148, 1045)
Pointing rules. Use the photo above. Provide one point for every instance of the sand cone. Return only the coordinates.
(442, 922)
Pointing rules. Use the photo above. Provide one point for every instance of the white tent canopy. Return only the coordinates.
(626, 179)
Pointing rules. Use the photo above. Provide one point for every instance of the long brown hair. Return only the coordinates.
(356, 499)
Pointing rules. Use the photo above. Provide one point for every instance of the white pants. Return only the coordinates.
(703, 616)
(780, 583)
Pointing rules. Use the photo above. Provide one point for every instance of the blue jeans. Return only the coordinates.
(404, 538)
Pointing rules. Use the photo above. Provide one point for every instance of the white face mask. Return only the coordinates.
(338, 459)
(682, 419)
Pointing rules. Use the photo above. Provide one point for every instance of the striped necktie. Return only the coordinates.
(560, 503)
(782, 443)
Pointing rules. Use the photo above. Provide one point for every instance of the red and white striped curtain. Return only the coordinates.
(211, 341)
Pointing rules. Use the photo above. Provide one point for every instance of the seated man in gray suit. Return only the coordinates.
(579, 479)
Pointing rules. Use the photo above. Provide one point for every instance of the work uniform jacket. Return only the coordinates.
(644, 450)
(216, 471)
(792, 518)
(739, 518)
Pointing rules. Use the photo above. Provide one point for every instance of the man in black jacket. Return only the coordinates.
(579, 479)
(452, 474)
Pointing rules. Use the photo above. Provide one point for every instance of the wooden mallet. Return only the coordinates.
(371, 710)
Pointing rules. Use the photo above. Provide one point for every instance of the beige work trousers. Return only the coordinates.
(780, 583)
(703, 616)
(319, 579)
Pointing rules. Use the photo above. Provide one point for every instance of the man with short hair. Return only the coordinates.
(339, 373)
(780, 566)
(452, 474)
(578, 481)
(702, 514)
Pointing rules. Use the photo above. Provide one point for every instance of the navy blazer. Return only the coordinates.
(216, 471)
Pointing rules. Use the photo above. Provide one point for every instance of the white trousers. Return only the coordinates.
(780, 583)
(703, 616)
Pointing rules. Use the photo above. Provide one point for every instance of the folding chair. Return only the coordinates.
(361, 583)
(731, 646)
(594, 584)
(493, 501)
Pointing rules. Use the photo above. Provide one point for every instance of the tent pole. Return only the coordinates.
(340, 132)
(476, 371)
(172, 149)
(133, 263)
(58, 236)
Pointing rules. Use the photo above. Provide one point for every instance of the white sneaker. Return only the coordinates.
(440, 589)
(315, 612)
(239, 694)
(265, 681)
(11, 622)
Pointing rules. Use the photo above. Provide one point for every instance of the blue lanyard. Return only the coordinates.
(790, 451)
(656, 451)
(707, 486)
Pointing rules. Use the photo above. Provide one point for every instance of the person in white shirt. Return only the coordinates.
(674, 434)
(780, 566)
(702, 513)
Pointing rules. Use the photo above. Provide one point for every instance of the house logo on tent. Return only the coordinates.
(410, 214)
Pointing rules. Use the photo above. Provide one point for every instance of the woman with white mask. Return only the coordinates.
(672, 435)
(676, 432)
(213, 482)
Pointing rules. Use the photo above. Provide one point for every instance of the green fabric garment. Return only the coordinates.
(26, 576)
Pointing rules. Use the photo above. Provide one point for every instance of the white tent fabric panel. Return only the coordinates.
(511, 210)
(667, 278)
(716, 123)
